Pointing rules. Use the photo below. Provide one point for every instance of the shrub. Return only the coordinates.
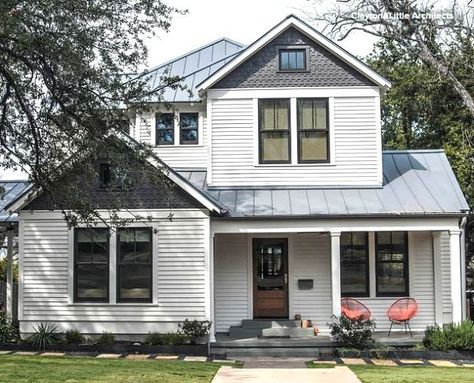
(73, 337)
(452, 337)
(107, 338)
(8, 332)
(45, 334)
(194, 330)
(352, 333)
(155, 338)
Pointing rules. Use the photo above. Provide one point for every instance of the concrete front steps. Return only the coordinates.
(270, 338)
(270, 329)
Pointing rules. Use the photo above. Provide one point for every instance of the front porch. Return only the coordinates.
(313, 275)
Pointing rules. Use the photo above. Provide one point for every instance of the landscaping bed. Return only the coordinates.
(116, 348)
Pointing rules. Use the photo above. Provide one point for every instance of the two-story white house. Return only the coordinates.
(286, 202)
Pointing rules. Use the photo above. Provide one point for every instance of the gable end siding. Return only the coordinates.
(260, 70)
(145, 193)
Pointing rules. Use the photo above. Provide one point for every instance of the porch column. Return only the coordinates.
(9, 300)
(438, 286)
(456, 288)
(212, 333)
(336, 272)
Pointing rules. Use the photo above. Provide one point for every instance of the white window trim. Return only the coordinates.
(113, 268)
(293, 137)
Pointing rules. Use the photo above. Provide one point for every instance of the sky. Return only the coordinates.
(207, 20)
(241, 20)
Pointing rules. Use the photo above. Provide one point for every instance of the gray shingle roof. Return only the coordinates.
(11, 190)
(419, 182)
(194, 67)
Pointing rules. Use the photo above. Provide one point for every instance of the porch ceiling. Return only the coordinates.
(416, 183)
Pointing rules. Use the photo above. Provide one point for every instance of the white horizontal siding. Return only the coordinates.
(356, 157)
(177, 156)
(180, 273)
(311, 259)
(230, 280)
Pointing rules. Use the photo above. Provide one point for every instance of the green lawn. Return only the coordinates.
(376, 374)
(409, 374)
(39, 369)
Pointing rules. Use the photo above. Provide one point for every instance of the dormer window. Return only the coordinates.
(292, 59)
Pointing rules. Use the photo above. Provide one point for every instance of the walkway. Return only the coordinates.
(339, 374)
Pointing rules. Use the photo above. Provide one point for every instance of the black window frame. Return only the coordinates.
(77, 299)
(181, 129)
(293, 48)
(366, 294)
(260, 131)
(299, 130)
(118, 265)
(157, 130)
(406, 292)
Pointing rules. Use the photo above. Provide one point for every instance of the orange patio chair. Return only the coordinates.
(354, 309)
(401, 311)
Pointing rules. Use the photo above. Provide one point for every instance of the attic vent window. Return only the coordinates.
(292, 59)
(105, 175)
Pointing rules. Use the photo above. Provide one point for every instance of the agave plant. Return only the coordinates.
(45, 334)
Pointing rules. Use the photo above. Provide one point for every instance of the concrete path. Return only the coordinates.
(338, 374)
(276, 362)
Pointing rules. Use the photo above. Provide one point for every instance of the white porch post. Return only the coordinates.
(438, 286)
(456, 288)
(212, 334)
(9, 303)
(336, 272)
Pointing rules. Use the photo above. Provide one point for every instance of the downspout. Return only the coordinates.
(462, 226)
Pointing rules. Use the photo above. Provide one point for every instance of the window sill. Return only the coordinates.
(129, 304)
(314, 164)
(179, 146)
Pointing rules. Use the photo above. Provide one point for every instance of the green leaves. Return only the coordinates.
(45, 334)
(65, 70)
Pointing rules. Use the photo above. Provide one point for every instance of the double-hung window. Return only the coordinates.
(189, 128)
(392, 263)
(165, 129)
(134, 265)
(354, 264)
(91, 265)
(274, 131)
(313, 130)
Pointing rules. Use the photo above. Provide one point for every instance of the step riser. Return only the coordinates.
(260, 324)
(267, 352)
(240, 332)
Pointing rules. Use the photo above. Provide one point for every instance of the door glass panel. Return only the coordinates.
(270, 267)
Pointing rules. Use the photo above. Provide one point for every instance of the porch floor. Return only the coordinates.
(396, 339)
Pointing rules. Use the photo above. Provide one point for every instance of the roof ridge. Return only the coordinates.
(194, 51)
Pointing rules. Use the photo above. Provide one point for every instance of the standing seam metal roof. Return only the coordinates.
(419, 182)
(11, 191)
(193, 67)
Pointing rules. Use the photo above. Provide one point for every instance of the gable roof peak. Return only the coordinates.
(294, 21)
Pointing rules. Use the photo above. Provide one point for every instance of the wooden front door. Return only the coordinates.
(270, 269)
